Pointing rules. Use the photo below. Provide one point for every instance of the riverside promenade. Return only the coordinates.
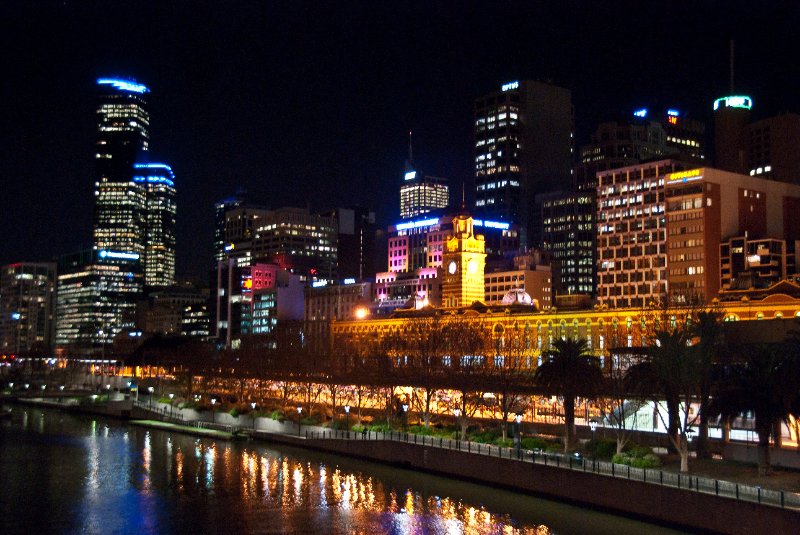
(680, 500)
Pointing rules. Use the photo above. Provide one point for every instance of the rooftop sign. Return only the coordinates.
(735, 101)
(685, 176)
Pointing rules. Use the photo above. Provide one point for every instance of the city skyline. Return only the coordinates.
(313, 104)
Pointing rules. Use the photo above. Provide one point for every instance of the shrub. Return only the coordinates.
(277, 415)
(507, 443)
(534, 443)
(234, 412)
(638, 457)
(604, 448)
(487, 436)
(380, 428)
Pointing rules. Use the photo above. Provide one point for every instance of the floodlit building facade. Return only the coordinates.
(158, 182)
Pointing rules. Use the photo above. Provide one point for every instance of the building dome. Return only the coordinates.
(517, 296)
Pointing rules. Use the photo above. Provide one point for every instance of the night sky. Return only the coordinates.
(309, 104)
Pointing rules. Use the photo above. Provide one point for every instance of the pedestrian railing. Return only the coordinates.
(688, 482)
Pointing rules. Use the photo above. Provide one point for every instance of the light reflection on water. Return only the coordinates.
(137, 480)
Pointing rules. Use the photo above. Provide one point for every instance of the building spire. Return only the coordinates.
(410, 148)
(731, 65)
(463, 196)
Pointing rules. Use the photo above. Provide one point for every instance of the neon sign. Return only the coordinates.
(411, 175)
(672, 119)
(116, 254)
(734, 101)
(511, 85)
(123, 85)
(673, 113)
(685, 176)
(640, 113)
(417, 224)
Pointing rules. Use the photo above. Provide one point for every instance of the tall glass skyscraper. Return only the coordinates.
(158, 181)
(123, 138)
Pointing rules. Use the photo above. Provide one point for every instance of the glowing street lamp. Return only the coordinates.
(213, 402)
(171, 397)
(347, 415)
(253, 407)
(457, 414)
(299, 424)
(593, 428)
(518, 434)
(361, 312)
(405, 415)
(150, 390)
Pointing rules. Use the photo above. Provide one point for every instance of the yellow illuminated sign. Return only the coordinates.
(685, 176)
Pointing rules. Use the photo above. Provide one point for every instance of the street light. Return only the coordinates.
(171, 396)
(405, 415)
(299, 412)
(593, 428)
(150, 390)
(213, 402)
(253, 406)
(347, 415)
(518, 434)
(457, 414)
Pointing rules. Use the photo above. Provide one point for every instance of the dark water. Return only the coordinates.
(64, 473)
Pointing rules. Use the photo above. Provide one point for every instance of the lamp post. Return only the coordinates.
(593, 428)
(213, 402)
(347, 421)
(457, 414)
(171, 396)
(150, 391)
(253, 406)
(299, 412)
(405, 415)
(518, 435)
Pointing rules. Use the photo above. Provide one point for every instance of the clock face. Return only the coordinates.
(472, 266)
(452, 267)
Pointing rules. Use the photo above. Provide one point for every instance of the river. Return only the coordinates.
(68, 473)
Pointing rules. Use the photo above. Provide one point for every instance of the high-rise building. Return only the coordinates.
(663, 230)
(221, 209)
(731, 117)
(569, 233)
(421, 193)
(523, 147)
(123, 138)
(158, 181)
(27, 301)
(96, 299)
(773, 150)
(356, 243)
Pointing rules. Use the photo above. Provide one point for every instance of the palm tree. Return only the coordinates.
(708, 331)
(762, 380)
(569, 371)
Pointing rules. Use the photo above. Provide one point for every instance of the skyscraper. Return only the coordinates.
(158, 181)
(123, 138)
(523, 147)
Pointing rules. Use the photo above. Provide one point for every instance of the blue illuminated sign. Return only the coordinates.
(640, 113)
(155, 179)
(319, 284)
(349, 281)
(411, 175)
(124, 85)
(510, 85)
(117, 254)
(15, 315)
(673, 113)
(492, 224)
(417, 224)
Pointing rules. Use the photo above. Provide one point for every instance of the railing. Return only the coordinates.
(688, 482)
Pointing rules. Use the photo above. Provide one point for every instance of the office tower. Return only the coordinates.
(663, 229)
(123, 138)
(158, 181)
(27, 300)
(643, 135)
(96, 299)
(356, 243)
(569, 233)
(773, 150)
(295, 239)
(731, 117)
(523, 147)
(221, 209)
(421, 193)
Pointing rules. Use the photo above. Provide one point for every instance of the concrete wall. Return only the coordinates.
(687, 509)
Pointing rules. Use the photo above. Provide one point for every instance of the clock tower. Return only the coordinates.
(463, 261)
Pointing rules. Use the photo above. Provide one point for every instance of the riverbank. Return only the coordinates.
(649, 495)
